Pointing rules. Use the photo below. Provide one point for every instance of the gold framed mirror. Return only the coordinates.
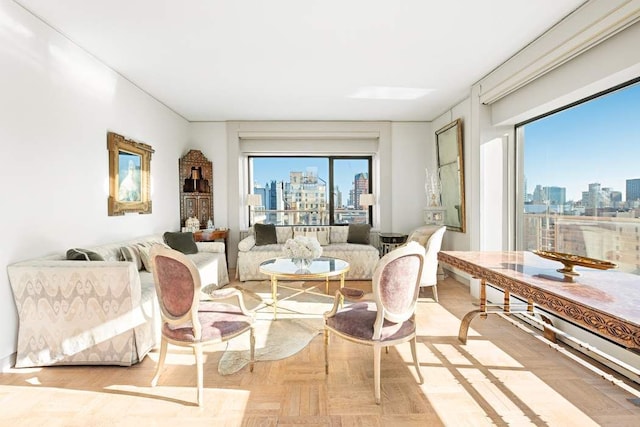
(129, 175)
(451, 174)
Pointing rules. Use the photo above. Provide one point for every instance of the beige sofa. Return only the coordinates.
(362, 258)
(94, 312)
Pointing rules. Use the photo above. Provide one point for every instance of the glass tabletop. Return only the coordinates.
(323, 266)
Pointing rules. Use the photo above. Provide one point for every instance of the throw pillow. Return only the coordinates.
(339, 234)
(420, 237)
(318, 233)
(359, 233)
(145, 256)
(78, 254)
(265, 234)
(283, 234)
(246, 244)
(323, 236)
(182, 242)
(131, 254)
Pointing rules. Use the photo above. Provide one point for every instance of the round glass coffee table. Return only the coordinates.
(284, 268)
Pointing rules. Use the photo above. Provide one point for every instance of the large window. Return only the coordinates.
(581, 179)
(310, 190)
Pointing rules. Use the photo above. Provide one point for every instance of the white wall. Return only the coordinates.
(412, 150)
(56, 105)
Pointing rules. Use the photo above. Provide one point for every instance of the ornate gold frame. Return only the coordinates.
(139, 198)
(451, 173)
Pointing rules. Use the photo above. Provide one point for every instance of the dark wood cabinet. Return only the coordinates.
(196, 183)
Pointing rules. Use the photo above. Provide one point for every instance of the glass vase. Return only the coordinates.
(302, 263)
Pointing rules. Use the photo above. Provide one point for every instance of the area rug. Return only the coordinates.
(300, 309)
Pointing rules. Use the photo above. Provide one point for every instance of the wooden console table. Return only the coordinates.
(604, 302)
(212, 236)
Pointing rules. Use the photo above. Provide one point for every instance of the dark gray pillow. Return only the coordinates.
(78, 254)
(181, 242)
(359, 233)
(265, 234)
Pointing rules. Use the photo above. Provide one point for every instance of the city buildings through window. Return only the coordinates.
(310, 190)
(581, 179)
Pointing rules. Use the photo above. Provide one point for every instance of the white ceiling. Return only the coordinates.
(215, 60)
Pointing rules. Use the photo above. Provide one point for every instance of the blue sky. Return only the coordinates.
(268, 169)
(597, 141)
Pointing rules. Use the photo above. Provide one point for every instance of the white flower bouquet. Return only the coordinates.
(302, 247)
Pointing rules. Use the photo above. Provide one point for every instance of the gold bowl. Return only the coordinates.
(569, 261)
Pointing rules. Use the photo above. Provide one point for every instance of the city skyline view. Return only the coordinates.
(594, 142)
(267, 169)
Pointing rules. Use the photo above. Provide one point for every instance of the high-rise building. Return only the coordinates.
(360, 186)
(549, 195)
(556, 195)
(633, 189)
(538, 195)
(306, 195)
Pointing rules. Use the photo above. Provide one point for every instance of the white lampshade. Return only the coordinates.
(367, 199)
(254, 200)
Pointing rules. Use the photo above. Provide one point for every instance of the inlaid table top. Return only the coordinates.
(607, 302)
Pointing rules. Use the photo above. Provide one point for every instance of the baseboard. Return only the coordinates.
(8, 362)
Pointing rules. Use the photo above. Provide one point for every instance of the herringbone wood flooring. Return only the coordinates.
(503, 376)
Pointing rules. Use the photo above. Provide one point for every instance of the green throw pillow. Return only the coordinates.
(359, 233)
(182, 242)
(78, 254)
(265, 234)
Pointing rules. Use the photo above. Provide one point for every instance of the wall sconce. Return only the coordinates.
(253, 200)
(367, 200)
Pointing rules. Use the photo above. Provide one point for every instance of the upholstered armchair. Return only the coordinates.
(189, 322)
(388, 318)
(431, 238)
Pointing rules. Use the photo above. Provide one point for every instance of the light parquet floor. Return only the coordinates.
(503, 376)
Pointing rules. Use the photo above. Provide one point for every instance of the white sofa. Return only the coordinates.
(94, 312)
(362, 258)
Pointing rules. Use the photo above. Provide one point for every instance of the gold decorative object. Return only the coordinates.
(569, 261)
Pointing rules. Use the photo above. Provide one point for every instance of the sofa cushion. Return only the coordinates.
(321, 234)
(78, 254)
(145, 249)
(265, 234)
(247, 243)
(217, 247)
(132, 254)
(339, 234)
(284, 233)
(182, 242)
(359, 233)
(421, 234)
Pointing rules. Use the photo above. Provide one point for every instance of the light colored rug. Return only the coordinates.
(300, 309)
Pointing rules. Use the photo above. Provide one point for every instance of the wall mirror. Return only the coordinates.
(451, 173)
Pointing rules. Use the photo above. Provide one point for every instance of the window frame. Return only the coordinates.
(520, 197)
(330, 182)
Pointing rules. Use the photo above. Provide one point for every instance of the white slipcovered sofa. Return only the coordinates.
(362, 258)
(95, 312)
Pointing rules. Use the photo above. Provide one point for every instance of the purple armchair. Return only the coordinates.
(386, 320)
(188, 322)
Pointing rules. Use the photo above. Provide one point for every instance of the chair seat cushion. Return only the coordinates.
(357, 321)
(219, 322)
